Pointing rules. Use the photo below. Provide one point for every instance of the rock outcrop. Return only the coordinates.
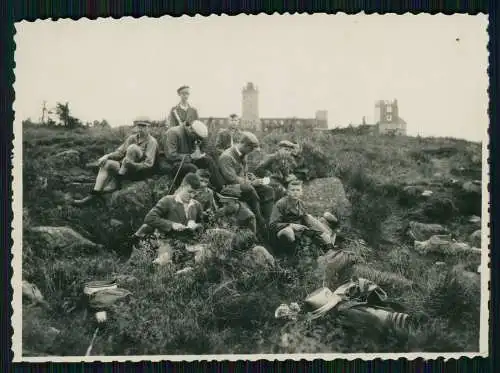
(327, 194)
(421, 232)
(62, 239)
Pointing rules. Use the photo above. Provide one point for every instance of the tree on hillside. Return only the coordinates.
(62, 111)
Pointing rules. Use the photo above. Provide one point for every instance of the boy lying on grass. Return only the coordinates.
(289, 218)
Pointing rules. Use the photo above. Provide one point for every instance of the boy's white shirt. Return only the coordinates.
(186, 206)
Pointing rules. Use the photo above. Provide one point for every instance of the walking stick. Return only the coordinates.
(89, 349)
(177, 173)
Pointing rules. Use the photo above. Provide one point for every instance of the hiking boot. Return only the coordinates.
(85, 201)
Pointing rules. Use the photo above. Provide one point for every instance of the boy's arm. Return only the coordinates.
(276, 221)
(155, 219)
(149, 156)
(120, 153)
(228, 171)
(262, 168)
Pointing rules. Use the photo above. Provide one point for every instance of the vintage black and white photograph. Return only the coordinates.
(269, 186)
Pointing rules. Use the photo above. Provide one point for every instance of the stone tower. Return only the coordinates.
(388, 119)
(321, 118)
(250, 106)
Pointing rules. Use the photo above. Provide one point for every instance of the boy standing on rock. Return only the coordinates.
(290, 217)
(133, 160)
(182, 113)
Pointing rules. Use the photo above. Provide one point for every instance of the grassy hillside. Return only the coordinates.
(227, 306)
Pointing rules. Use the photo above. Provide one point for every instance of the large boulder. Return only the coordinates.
(469, 197)
(327, 194)
(438, 208)
(422, 232)
(259, 258)
(62, 239)
(65, 159)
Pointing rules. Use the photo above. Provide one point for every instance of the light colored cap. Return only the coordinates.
(142, 121)
(287, 144)
(250, 139)
(200, 129)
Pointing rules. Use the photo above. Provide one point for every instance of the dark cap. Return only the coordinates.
(248, 138)
(181, 88)
(142, 121)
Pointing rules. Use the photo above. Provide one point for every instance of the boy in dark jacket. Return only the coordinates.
(289, 218)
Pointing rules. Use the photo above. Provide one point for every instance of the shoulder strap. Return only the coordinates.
(177, 116)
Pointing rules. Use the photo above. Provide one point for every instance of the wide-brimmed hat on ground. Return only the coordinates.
(200, 129)
(95, 286)
(321, 301)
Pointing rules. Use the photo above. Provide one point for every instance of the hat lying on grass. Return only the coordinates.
(322, 301)
(92, 287)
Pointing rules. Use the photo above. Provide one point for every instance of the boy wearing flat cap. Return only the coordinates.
(233, 213)
(133, 160)
(234, 170)
(182, 113)
(227, 137)
(279, 166)
(183, 147)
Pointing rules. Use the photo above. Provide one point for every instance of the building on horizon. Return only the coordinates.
(387, 118)
(251, 120)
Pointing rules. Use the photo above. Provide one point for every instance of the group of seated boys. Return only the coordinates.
(214, 186)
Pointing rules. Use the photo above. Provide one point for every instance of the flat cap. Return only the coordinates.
(200, 129)
(142, 121)
(181, 88)
(287, 144)
(250, 139)
(228, 195)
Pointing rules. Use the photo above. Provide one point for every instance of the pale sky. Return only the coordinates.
(119, 69)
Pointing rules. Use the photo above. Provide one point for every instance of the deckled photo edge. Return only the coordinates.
(16, 281)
